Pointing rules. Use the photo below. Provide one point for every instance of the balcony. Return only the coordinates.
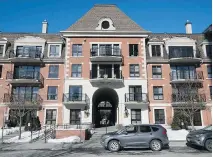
(106, 77)
(106, 55)
(136, 100)
(184, 57)
(29, 57)
(76, 101)
(187, 100)
(27, 78)
(23, 101)
(186, 77)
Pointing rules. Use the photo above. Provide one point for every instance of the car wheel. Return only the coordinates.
(208, 145)
(114, 146)
(156, 145)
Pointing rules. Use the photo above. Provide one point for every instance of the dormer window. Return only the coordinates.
(105, 24)
(209, 51)
(1, 50)
(156, 51)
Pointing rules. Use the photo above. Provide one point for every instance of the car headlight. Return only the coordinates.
(199, 135)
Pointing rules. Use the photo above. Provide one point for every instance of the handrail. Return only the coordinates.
(188, 75)
(106, 74)
(105, 52)
(188, 97)
(139, 97)
(75, 97)
(30, 54)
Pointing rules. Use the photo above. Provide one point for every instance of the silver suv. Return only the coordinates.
(136, 136)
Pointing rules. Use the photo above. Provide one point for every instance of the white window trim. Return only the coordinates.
(4, 48)
(60, 50)
(111, 26)
(164, 108)
(28, 44)
(204, 44)
(155, 43)
(46, 108)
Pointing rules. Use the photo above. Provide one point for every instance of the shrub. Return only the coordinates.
(177, 121)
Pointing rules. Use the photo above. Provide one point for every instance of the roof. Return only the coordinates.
(208, 29)
(90, 20)
(48, 37)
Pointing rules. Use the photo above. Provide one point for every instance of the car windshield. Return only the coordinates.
(208, 128)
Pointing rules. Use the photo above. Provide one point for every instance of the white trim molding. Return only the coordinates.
(60, 50)
(165, 115)
(155, 43)
(51, 107)
(203, 45)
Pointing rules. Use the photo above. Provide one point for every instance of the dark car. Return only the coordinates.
(201, 137)
(136, 136)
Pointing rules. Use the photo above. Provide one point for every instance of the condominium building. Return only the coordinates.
(176, 64)
(103, 68)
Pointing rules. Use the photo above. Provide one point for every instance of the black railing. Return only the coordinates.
(52, 96)
(30, 54)
(105, 52)
(31, 75)
(139, 97)
(188, 97)
(182, 54)
(75, 97)
(117, 74)
(186, 75)
(23, 98)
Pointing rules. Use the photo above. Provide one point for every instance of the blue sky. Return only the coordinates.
(158, 16)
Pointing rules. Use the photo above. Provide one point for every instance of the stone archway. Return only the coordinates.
(105, 103)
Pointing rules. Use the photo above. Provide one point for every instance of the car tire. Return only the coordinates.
(114, 146)
(208, 145)
(155, 145)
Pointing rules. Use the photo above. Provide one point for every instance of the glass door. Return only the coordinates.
(75, 93)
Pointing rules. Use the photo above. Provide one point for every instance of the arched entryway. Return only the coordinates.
(105, 103)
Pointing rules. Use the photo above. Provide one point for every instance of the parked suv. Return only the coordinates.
(201, 137)
(136, 136)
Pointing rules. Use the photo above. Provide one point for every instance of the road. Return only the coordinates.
(100, 152)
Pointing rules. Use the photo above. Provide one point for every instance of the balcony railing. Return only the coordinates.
(105, 52)
(105, 74)
(188, 97)
(30, 54)
(20, 99)
(73, 97)
(28, 75)
(138, 97)
(186, 75)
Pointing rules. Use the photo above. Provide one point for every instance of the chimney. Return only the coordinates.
(188, 26)
(44, 26)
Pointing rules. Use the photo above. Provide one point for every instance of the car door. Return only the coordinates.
(129, 137)
(144, 135)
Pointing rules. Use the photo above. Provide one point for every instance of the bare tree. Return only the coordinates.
(189, 98)
(20, 105)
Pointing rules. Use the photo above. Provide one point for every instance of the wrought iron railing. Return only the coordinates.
(188, 97)
(19, 98)
(30, 54)
(182, 54)
(186, 75)
(75, 97)
(117, 74)
(105, 52)
(139, 97)
(31, 75)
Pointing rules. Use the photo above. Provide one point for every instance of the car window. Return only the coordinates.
(131, 129)
(145, 129)
(155, 129)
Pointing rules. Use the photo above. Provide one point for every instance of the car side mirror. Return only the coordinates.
(125, 132)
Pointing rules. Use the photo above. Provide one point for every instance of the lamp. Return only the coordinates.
(126, 112)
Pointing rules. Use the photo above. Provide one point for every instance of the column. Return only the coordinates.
(98, 69)
(113, 73)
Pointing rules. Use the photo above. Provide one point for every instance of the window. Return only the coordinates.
(29, 51)
(209, 51)
(131, 129)
(133, 49)
(75, 116)
(135, 116)
(180, 51)
(105, 24)
(183, 72)
(1, 50)
(134, 70)
(155, 128)
(156, 72)
(135, 93)
(1, 71)
(209, 70)
(210, 91)
(76, 70)
(54, 51)
(52, 93)
(158, 92)
(51, 116)
(53, 71)
(77, 50)
(159, 116)
(145, 129)
(156, 52)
